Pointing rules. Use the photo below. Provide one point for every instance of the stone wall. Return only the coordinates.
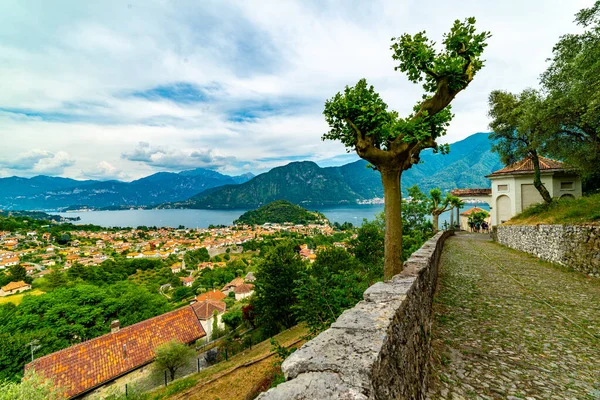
(574, 246)
(377, 350)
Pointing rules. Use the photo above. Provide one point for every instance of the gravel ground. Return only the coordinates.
(508, 326)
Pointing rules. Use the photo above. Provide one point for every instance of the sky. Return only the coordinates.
(123, 89)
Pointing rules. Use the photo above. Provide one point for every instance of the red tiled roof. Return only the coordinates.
(213, 295)
(234, 283)
(526, 166)
(205, 309)
(86, 365)
(471, 192)
(473, 210)
(244, 288)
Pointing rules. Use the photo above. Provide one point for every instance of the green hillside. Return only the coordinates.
(279, 212)
(307, 184)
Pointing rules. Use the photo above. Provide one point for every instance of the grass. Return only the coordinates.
(217, 382)
(584, 210)
(16, 299)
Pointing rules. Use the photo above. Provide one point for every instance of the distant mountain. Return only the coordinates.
(279, 212)
(46, 193)
(301, 183)
(307, 184)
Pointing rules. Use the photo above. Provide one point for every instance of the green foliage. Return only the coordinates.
(478, 217)
(280, 211)
(33, 387)
(368, 247)
(67, 316)
(573, 101)
(414, 213)
(195, 257)
(562, 211)
(172, 356)
(333, 283)
(232, 318)
(274, 287)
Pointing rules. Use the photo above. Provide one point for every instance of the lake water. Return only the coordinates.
(202, 218)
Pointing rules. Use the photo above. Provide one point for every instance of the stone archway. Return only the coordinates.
(503, 209)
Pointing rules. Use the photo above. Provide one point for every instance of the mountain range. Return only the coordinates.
(303, 183)
(307, 184)
(48, 193)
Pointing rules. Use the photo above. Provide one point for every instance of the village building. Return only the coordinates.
(188, 281)
(214, 294)
(242, 291)
(88, 366)
(250, 277)
(464, 217)
(232, 285)
(205, 311)
(513, 191)
(14, 287)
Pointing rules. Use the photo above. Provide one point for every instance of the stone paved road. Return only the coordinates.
(508, 326)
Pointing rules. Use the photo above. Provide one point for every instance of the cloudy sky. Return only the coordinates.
(121, 89)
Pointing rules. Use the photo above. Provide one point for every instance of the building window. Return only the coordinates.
(503, 188)
(566, 186)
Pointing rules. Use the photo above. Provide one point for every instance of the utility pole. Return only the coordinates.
(34, 346)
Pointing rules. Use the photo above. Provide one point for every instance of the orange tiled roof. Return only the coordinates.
(473, 210)
(14, 285)
(471, 192)
(244, 288)
(234, 283)
(526, 166)
(204, 309)
(89, 364)
(216, 295)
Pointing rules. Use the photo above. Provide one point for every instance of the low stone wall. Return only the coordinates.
(575, 246)
(377, 350)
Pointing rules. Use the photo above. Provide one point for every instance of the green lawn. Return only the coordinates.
(17, 298)
(584, 210)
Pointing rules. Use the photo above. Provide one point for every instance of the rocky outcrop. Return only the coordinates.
(574, 246)
(377, 350)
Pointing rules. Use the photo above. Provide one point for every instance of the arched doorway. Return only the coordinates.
(503, 209)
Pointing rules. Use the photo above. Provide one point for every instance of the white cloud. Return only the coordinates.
(263, 69)
(104, 171)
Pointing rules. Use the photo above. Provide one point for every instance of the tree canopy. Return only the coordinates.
(359, 118)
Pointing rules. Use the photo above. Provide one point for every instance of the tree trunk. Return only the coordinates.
(390, 177)
(537, 179)
(451, 218)
(458, 217)
(172, 371)
(436, 220)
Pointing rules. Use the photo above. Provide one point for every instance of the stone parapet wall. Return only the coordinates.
(574, 246)
(377, 350)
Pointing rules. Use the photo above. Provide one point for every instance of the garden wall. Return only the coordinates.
(574, 246)
(377, 350)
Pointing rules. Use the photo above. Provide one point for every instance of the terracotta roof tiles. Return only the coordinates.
(526, 166)
(89, 364)
(205, 309)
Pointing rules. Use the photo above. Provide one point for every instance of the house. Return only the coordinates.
(9, 262)
(188, 281)
(176, 268)
(464, 217)
(90, 365)
(232, 285)
(513, 191)
(214, 294)
(205, 311)
(14, 287)
(203, 265)
(249, 277)
(244, 290)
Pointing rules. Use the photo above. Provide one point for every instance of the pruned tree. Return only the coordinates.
(456, 204)
(438, 204)
(360, 119)
(172, 356)
(520, 129)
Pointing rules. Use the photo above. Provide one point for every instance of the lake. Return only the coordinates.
(203, 218)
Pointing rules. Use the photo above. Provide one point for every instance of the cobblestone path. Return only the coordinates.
(508, 326)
